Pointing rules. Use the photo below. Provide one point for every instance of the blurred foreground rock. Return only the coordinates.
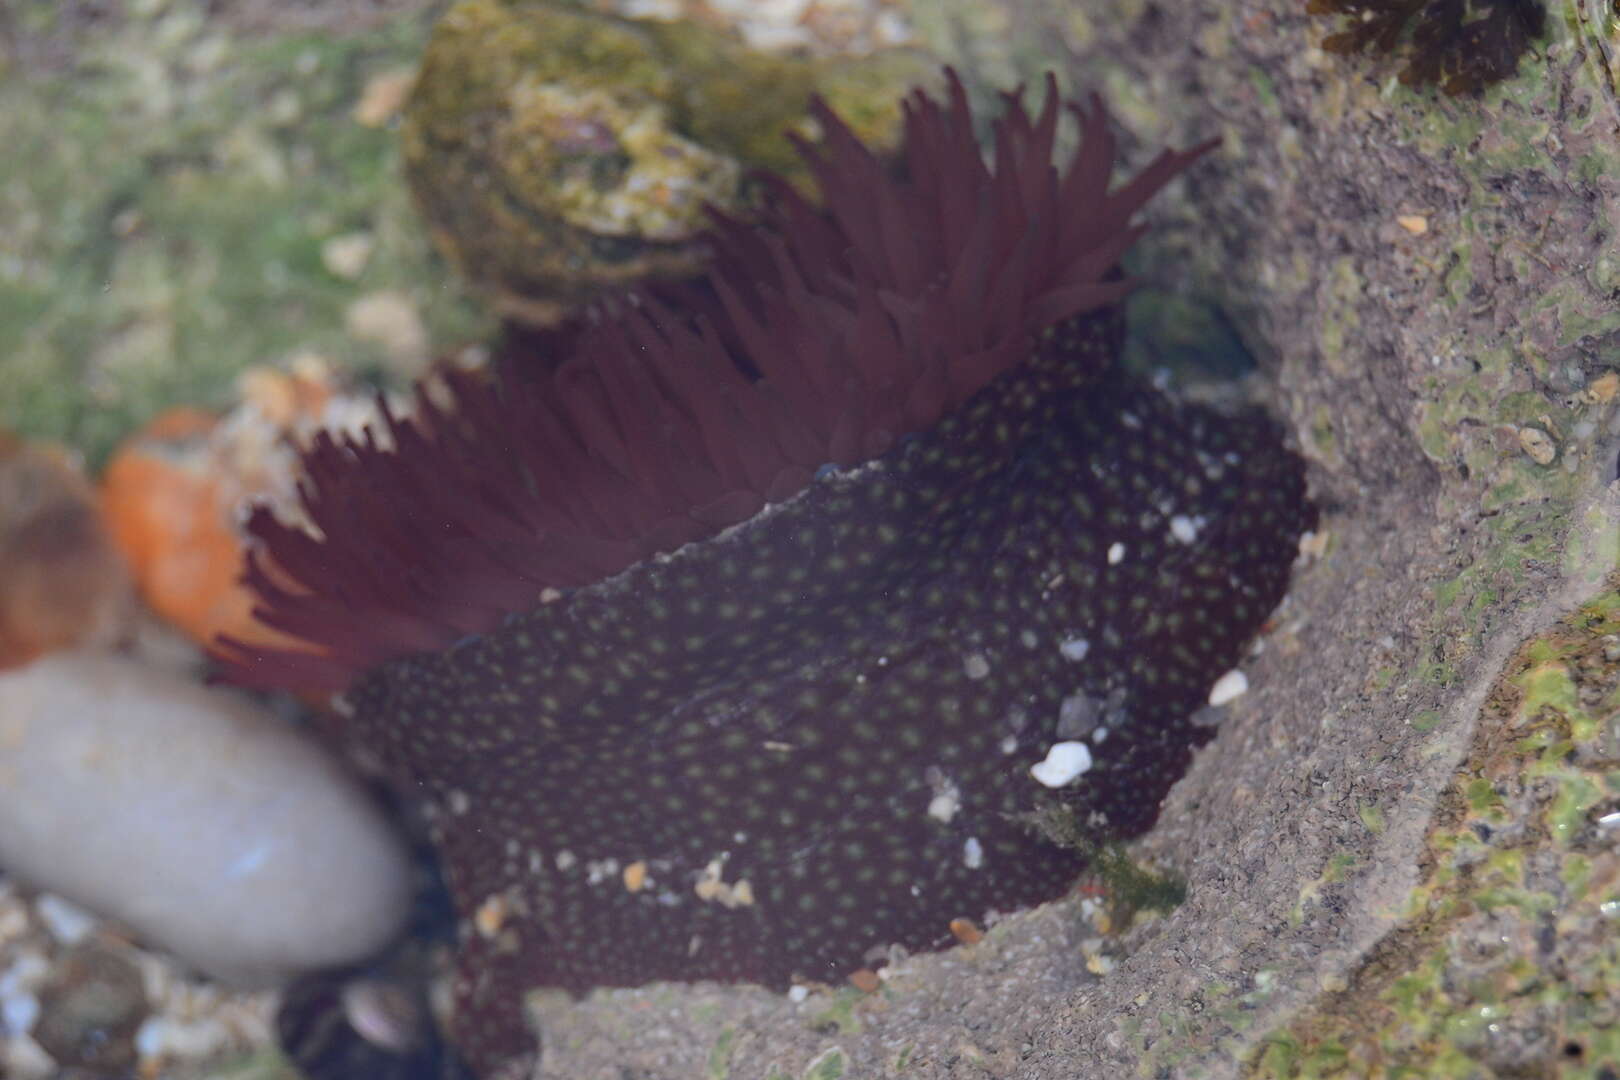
(558, 153)
(209, 826)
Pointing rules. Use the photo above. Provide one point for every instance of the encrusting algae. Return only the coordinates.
(558, 154)
(739, 643)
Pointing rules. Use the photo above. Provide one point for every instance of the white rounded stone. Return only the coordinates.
(205, 824)
(1228, 688)
(1065, 762)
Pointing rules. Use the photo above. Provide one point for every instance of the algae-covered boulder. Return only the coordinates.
(557, 153)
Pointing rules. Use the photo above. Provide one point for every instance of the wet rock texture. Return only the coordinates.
(1426, 279)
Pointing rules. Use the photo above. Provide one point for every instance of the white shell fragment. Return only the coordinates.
(1228, 688)
(1185, 529)
(1065, 762)
(206, 824)
(943, 807)
(1074, 648)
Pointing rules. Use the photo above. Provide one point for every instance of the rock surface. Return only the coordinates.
(558, 154)
(208, 826)
(1318, 835)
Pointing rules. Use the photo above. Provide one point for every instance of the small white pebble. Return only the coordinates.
(24, 1059)
(68, 922)
(943, 807)
(891, 28)
(1228, 688)
(346, 256)
(1184, 528)
(798, 993)
(976, 666)
(1538, 445)
(149, 1038)
(13, 917)
(160, 1037)
(1009, 745)
(972, 853)
(1074, 649)
(1116, 553)
(1065, 762)
(26, 972)
(18, 1012)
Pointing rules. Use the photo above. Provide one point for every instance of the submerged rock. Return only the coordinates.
(204, 823)
(558, 154)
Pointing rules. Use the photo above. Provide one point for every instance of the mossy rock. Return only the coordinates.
(558, 153)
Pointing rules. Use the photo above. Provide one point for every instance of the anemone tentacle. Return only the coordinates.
(865, 319)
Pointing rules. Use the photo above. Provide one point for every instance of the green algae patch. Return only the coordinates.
(164, 204)
(1337, 870)
(830, 1064)
(1131, 888)
(720, 1056)
(1521, 878)
(840, 1016)
(1344, 287)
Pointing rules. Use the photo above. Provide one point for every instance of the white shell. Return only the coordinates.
(1228, 688)
(1065, 762)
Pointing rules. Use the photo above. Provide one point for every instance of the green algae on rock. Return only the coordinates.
(558, 153)
(1522, 881)
(740, 644)
(166, 198)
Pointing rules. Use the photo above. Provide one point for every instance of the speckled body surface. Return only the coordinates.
(812, 735)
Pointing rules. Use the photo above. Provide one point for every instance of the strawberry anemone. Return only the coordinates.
(753, 636)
